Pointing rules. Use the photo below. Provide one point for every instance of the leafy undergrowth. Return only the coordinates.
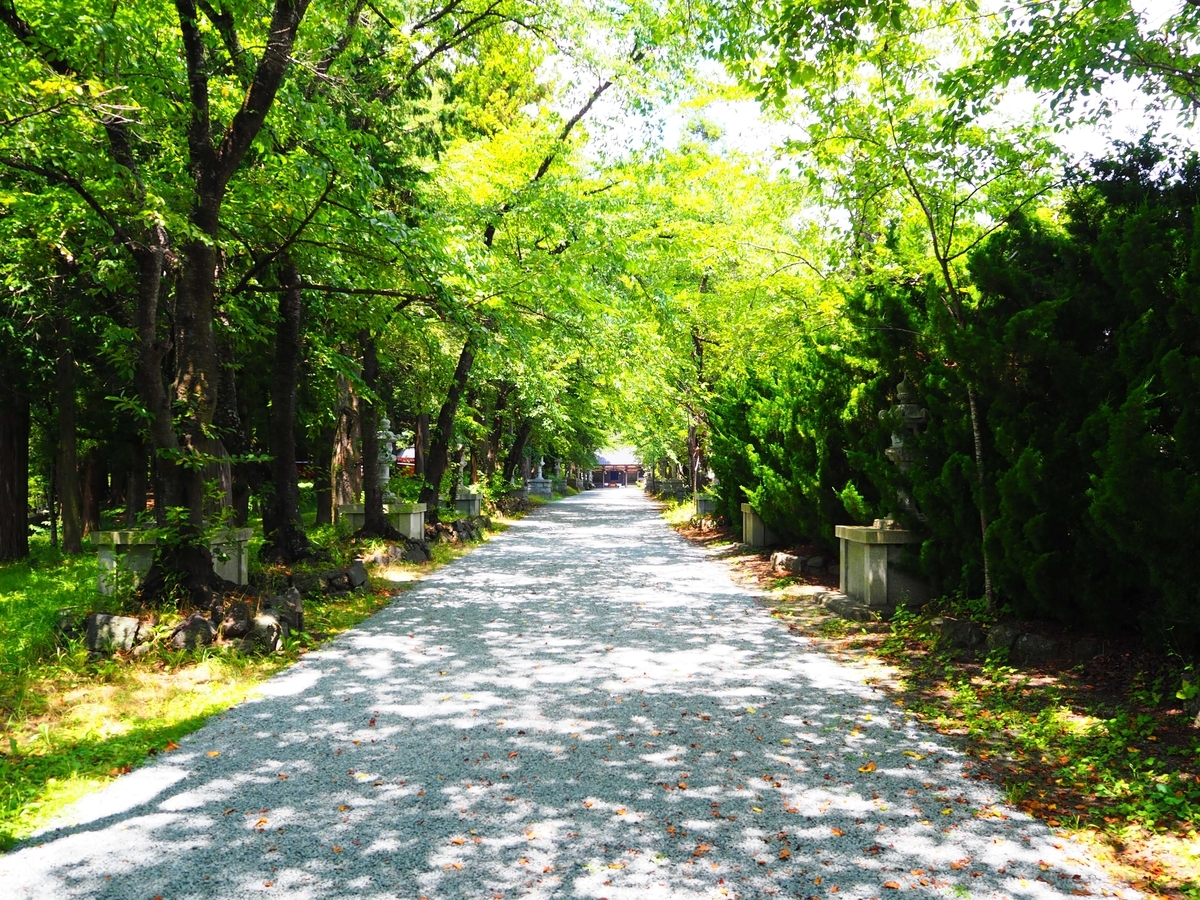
(71, 721)
(1103, 751)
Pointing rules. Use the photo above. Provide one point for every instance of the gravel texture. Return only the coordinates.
(584, 707)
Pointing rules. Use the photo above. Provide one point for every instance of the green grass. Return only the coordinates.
(32, 594)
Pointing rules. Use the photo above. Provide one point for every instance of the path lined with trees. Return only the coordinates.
(240, 235)
(586, 706)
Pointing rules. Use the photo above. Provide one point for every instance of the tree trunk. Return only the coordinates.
(14, 474)
(136, 493)
(244, 476)
(322, 466)
(286, 541)
(375, 523)
(69, 499)
(421, 445)
(517, 451)
(977, 435)
(347, 471)
(95, 480)
(492, 457)
(443, 432)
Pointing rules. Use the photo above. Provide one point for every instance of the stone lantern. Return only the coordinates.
(873, 582)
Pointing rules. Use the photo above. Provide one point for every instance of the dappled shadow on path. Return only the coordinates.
(584, 707)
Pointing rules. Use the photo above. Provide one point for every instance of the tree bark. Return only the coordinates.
(421, 445)
(286, 541)
(69, 500)
(443, 432)
(375, 523)
(322, 465)
(347, 471)
(517, 451)
(95, 480)
(136, 493)
(492, 457)
(14, 474)
(977, 437)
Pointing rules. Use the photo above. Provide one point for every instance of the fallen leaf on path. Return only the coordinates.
(214, 752)
(894, 885)
(913, 754)
(260, 823)
(837, 832)
(869, 767)
(171, 745)
(337, 849)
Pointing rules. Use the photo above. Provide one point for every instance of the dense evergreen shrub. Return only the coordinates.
(1082, 346)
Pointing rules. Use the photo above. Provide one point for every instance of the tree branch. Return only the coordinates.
(223, 22)
(199, 134)
(70, 181)
(24, 33)
(408, 297)
(287, 243)
(489, 234)
(285, 21)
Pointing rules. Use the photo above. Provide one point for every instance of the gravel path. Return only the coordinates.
(584, 707)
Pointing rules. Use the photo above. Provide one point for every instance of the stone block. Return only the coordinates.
(334, 580)
(306, 582)
(104, 633)
(352, 514)
(357, 573)
(468, 505)
(195, 631)
(236, 623)
(956, 635)
(1033, 649)
(539, 487)
(754, 530)
(849, 607)
(288, 609)
(123, 557)
(230, 553)
(872, 567)
(409, 518)
(1002, 636)
(787, 562)
(266, 632)
(417, 551)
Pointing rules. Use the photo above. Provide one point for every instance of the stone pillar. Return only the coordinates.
(754, 530)
(870, 572)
